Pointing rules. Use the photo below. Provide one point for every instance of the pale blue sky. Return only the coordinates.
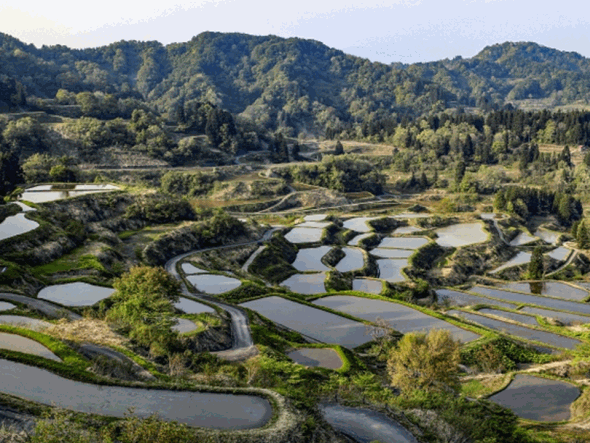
(388, 31)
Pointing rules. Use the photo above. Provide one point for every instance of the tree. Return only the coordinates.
(459, 172)
(427, 362)
(339, 149)
(11, 172)
(583, 236)
(536, 268)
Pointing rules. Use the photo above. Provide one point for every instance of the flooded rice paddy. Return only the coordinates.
(406, 230)
(403, 242)
(213, 284)
(13, 342)
(189, 268)
(352, 261)
(208, 410)
(316, 357)
(520, 331)
(192, 307)
(313, 224)
(306, 283)
(551, 288)
(520, 259)
(526, 319)
(367, 285)
(16, 225)
(459, 298)
(315, 323)
(410, 215)
(391, 269)
(547, 236)
(391, 253)
(184, 326)
(310, 259)
(401, 318)
(463, 234)
(545, 302)
(560, 254)
(75, 294)
(48, 193)
(24, 322)
(355, 241)
(536, 398)
(315, 217)
(304, 235)
(522, 238)
(365, 425)
(358, 224)
(563, 317)
(4, 306)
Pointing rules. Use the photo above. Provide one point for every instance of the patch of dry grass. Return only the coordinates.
(87, 330)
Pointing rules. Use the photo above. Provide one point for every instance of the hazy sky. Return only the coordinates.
(387, 31)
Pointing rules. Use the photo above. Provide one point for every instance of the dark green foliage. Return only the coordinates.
(509, 351)
(189, 184)
(12, 93)
(339, 149)
(158, 208)
(11, 172)
(582, 235)
(274, 263)
(536, 268)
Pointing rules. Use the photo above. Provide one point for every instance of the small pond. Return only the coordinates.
(520, 331)
(189, 268)
(315, 217)
(358, 224)
(459, 298)
(316, 357)
(16, 225)
(520, 259)
(306, 283)
(401, 318)
(192, 307)
(407, 230)
(559, 254)
(13, 342)
(184, 326)
(24, 322)
(209, 410)
(304, 235)
(4, 306)
(391, 269)
(315, 323)
(526, 319)
(403, 242)
(310, 259)
(547, 236)
(461, 235)
(365, 425)
(353, 260)
(536, 398)
(545, 302)
(563, 317)
(367, 285)
(313, 224)
(75, 294)
(213, 284)
(551, 288)
(391, 253)
(355, 241)
(522, 239)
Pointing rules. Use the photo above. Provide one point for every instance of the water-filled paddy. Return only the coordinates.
(364, 425)
(522, 239)
(358, 224)
(564, 317)
(517, 297)
(304, 235)
(403, 242)
(209, 410)
(13, 342)
(536, 398)
(310, 259)
(391, 253)
(520, 331)
(551, 288)
(547, 236)
(314, 357)
(355, 241)
(47, 193)
(4, 306)
(526, 319)
(306, 283)
(189, 268)
(410, 215)
(191, 306)
(314, 224)
(184, 326)
(351, 261)
(462, 299)
(401, 318)
(315, 323)
(520, 259)
(560, 253)
(406, 230)
(16, 225)
(391, 269)
(24, 322)
(367, 285)
(315, 217)
(75, 294)
(213, 284)
(461, 235)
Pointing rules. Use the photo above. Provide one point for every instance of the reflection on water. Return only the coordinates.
(463, 234)
(48, 193)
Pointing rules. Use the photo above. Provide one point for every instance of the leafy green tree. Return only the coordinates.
(427, 362)
(536, 267)
(583, 236)
(339, 149)
(11, 172)
(459, 172)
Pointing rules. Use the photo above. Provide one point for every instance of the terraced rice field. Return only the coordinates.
(459, 235)
(459, 298)
(304, 235)
(306, 283)
(550, 288)
(367, 285)
(13, 342)
(310, 259)
(352, 261)
(316, 357)
(75, 294)
(213, 284)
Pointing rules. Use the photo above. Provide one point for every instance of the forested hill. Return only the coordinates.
(295, 83)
